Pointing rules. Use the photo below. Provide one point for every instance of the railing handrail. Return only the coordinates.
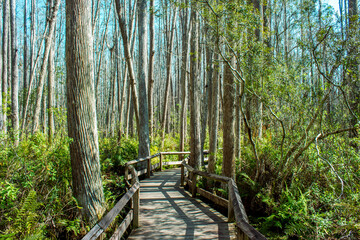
(133, 216)
(235, 206)
(133, 193)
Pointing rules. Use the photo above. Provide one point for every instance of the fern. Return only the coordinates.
(27, 218)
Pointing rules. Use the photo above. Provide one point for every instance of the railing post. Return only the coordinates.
(126, 172)
(160, 162)
(231, 214)
(193, 190)
(136, 205)
(148, 167)
(182, 175)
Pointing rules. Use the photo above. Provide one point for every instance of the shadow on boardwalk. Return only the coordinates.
(168, 212)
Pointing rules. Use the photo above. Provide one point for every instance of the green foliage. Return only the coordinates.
(35, 191)
(310, 204)
(114, 154)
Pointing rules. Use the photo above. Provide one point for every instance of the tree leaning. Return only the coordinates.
(82, 122)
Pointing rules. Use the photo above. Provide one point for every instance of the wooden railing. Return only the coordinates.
(149, 166)
(234, 204)
(133, 215)
(132, 194)
(236, 210)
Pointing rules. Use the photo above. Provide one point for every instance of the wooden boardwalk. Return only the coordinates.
(167, 211)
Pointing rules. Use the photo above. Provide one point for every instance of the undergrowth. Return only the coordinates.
(36, 200)
(315, 202)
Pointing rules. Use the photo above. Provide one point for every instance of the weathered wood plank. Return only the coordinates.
(168, 212)
(94, 233)
(109, 217)
(214, 198)
(240, 214)
(119, 232)
(142, 159)
(172, 163)
(205, 174)
(174, 153)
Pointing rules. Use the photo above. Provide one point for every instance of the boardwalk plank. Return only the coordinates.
(169, 212)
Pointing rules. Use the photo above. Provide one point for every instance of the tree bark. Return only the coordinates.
(14, 76)
(126, 46)
(143, 127)
(186, 34)
(168, 74)
(214, 114)
(353, 63)
(151, 68)
(82, 122)
(228, 165)
(51, 84)
(48, 41)
(195, 141)
(25, 58)
(5, 73)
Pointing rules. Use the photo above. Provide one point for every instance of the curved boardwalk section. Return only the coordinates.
(169, 212)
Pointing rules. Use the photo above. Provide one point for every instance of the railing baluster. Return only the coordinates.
(182, 175)
(149, 167)
(161, 162)
(136, 207)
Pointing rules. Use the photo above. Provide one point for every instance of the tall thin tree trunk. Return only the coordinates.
(25, 58)
(151, 68)
(184, 76)
(4, 87)
(126, 46)
(195, 143)
(48, 41)
(214, 114)
(206, 102)
(168, 74)
(143, 127)
(5, 72)
(353, 62)
(82, 122)
(51, 85)
(228, 165)
(14, 76)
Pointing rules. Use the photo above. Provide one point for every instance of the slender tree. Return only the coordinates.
(228, 165)
(5, 73)
(186, 34)
(25, 58)
(48, 44)
(143, 127)
(82, 121)
(14, 75)
(195, 140)
(214, 119)
(51, 83)
(151, 67)
(170, 45)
